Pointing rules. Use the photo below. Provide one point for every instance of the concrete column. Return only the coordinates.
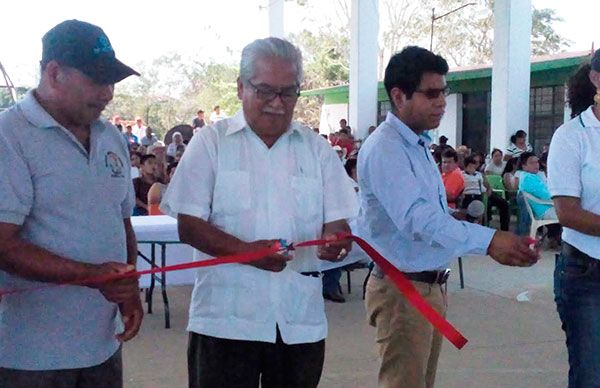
(364, 26)
(451, 124)
(511, 70)
(276, 18)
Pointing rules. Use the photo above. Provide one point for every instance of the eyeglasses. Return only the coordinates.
(266, 94)
(432, 94)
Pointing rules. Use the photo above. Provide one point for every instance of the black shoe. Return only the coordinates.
(336, 297)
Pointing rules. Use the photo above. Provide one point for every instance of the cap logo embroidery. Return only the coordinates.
(102, 45)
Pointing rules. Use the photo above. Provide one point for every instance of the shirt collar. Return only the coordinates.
(35, 113)
(589, 118)
(38, 117)
(408, 134)
(238, 122)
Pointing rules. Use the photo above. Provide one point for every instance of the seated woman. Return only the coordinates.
(518, 145)
(494, 200)
(496, 165)
(511, 182)
(175, 145)
(157, 191)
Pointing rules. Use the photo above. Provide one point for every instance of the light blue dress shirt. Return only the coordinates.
(404, 212)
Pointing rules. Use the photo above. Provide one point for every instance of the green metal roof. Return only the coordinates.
(545, 71)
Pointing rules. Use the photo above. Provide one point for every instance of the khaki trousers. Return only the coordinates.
(409, 346)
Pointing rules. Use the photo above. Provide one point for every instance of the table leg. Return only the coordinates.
(460, 273)
(150, 290)
(163, 283)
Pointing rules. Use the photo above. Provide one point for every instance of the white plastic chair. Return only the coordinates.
(536, 223)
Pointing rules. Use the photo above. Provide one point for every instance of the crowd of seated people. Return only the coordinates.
(467, 184)
(467, 177)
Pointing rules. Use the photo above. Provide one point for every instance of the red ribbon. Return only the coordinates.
(398, 278)
(405, 286)
(240, 258)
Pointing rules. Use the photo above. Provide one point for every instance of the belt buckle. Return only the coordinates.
(442, 276)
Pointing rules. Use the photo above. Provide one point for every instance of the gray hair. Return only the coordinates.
(269, 48)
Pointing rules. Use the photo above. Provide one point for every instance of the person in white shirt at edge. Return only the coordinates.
(242, 184)
(404, 215)
(573, 180)
(496, 165)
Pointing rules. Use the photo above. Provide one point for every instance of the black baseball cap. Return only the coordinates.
(86, 48)
(596, 60)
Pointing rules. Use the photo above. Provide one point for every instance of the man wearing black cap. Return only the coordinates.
(65, 218)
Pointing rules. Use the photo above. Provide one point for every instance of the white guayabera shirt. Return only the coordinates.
(230, 178)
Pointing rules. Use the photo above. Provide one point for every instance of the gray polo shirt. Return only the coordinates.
(73, 204)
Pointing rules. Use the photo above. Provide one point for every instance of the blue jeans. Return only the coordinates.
(577, 296)
(331, 280)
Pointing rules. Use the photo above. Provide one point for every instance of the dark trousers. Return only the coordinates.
(468, 198)
(109, 374)
(331, 280)
(501, 204)
(577, 296)
(223, 363)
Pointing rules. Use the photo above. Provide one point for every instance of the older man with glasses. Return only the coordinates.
(243, 184)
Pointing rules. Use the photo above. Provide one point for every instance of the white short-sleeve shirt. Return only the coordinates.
(574, 171)
(230, 178)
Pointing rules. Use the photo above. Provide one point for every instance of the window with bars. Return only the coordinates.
(546, 113)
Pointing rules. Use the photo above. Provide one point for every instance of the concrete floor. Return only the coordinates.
(511, 343)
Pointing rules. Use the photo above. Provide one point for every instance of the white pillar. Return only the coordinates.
(451, 124)
(511, 70)
(276, 18)
(364, 26)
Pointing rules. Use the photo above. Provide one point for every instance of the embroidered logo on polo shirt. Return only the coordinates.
(112, 161)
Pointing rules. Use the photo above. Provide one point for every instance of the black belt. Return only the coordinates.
(570, 251)
(430, 277)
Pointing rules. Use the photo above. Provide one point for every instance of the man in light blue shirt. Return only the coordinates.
(404, 215)
(67, 197)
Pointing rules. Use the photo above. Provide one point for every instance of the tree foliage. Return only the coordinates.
(326, 63)
(544, 39)
(6, 100)
(172, 88)
(464, 37)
